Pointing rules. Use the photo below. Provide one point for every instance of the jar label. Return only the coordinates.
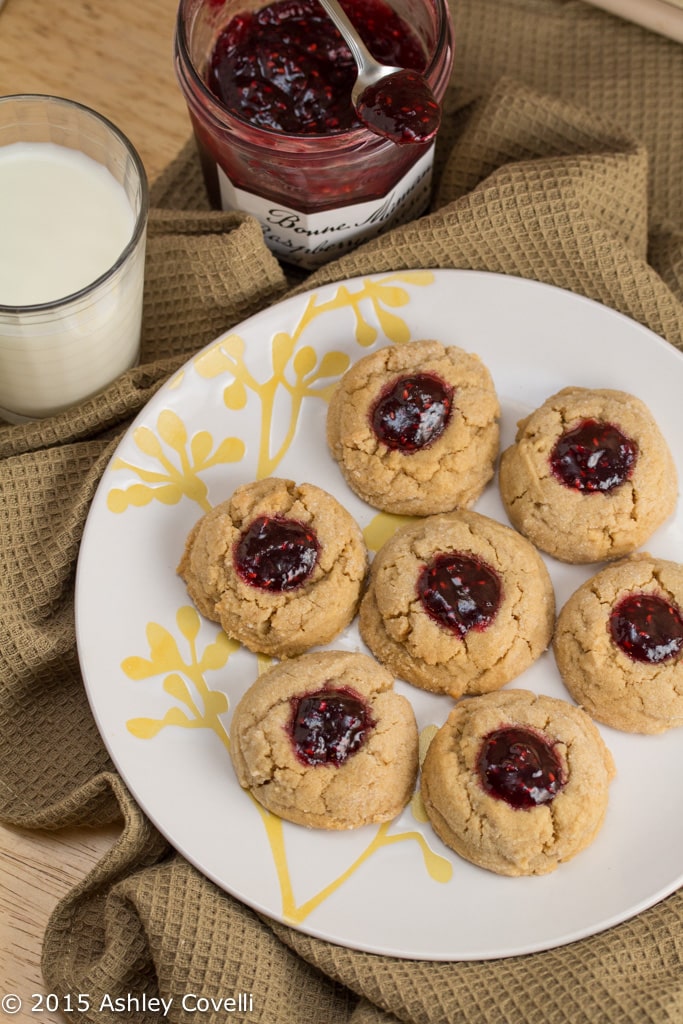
(311, 239)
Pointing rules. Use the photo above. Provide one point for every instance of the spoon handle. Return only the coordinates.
(349, 33)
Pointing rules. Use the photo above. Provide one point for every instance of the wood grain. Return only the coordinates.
(36, 870)
(117, 58)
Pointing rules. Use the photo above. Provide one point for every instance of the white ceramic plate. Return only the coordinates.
(162, 684)
(662, 16)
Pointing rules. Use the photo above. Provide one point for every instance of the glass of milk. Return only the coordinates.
(73, 221)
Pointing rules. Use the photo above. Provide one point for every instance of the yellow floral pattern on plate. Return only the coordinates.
(298, 373)
(171, 482)
(165, 659)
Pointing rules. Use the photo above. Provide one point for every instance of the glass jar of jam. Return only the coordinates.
(268, 89)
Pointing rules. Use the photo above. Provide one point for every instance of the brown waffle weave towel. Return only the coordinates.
(561, 160)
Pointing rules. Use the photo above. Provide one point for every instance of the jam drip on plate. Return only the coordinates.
(520, 766)
(647, 628)
(276, 553)
(593, 456)
(330, 725)
(460, 592)
(412, 412)
(287, 69)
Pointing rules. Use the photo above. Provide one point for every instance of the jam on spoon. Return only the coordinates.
(593, 457)
(391, 101)
(276, 553)
(330, 725)
(460, 592)
(401, 107)
(412, 412)
(520, 766)
(647, 628)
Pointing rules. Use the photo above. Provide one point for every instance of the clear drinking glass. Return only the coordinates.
(56, 353)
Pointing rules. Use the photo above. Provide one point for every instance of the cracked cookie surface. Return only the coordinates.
(487, 830)
(414, 428)
(275, 603)
(326, 766)
(619, 645)
(571, 521)
(422, 617)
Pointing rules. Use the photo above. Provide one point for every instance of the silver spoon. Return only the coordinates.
(393, 102)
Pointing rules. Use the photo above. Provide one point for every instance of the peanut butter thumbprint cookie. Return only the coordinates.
(590, 476)
(324, 741)
(619, 645)
(279, 565)
(516, 782)
(414, 428)
(457, 603)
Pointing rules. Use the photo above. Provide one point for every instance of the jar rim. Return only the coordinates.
(352, 136)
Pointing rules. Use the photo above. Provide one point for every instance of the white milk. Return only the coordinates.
(64, 222)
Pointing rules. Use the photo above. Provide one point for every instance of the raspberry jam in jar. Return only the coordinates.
(268, 89)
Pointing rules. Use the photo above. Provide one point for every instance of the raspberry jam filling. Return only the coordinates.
(460, 592)
(276, 553)
(330, 725)
(520, 766)
(400, 107)
(286, 67)
(594, 456)
(412, 412)
(647, 628)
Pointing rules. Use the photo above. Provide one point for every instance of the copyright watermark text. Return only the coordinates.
(126, 1005)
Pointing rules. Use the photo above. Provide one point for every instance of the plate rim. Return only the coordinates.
(249, 323)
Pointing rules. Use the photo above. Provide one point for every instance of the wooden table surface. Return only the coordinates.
(116, 57)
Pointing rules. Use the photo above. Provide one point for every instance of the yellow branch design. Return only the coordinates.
(312, 377)
(228, 356)
(166, 659)
(169, 485)
(438, 867)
